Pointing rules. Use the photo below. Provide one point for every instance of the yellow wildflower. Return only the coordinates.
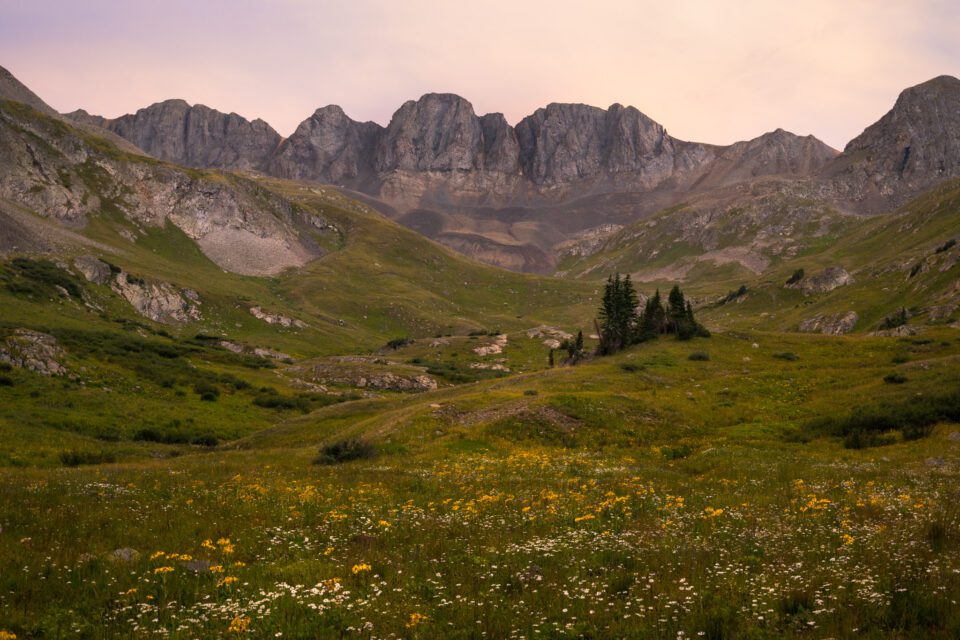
(157, 554)
(162, 570)
(331, 583)
(589, 516)
(217, 568)
(7, 635)
(415, 619)
(328, 551)
(240, 624)
(226, 581)
(360, 568)
(848, 539)
(208, 544)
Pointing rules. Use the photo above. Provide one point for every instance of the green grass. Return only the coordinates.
(757, 484)
(611, 503)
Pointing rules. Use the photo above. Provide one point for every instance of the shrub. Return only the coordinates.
(895, 320)
(234, 381)
(917, 268)
(796, 277)
(894, 378)
(733, 295)
(914, 417)
(786, 355)
(398, 343)
(865, 439)
(205, 441)
(41, 278)
(206, 391)
(699, 356)
(77, 458)
(530, 392)
(946, 246)
(274, 400)
(345, 451)
(631, 367)
(6, 381)
(150, 434)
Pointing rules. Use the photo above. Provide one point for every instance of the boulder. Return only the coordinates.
(93, 269)
(831, 325)
(827, 280)
(35, 351)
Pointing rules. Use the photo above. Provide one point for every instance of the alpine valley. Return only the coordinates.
(331, 385)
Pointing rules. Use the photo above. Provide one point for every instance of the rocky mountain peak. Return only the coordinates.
(194, 135)
(329, 146)
(13, 89)
(916, 144)
(438, 132)
(565, 142)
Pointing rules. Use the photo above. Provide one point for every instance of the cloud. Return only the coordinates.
(715, 71)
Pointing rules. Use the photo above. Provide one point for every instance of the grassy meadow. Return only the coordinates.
(677, 490)
(760, 483)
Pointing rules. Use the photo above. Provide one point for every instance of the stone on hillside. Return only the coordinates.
(157, 300)
(276, 318)
(35, 351)
(827, 280)
(941, 312)
(898, 332)
(93, 269)
(261, 352)
(496, 347)
(831, 325)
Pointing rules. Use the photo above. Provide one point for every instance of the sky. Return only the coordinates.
(711, 71)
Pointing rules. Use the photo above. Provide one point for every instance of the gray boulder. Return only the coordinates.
(831, 325)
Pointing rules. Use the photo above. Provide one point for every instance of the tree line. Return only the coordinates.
(620, 323)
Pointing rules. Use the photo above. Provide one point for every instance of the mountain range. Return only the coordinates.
(514, 196)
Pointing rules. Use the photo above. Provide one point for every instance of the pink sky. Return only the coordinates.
(709, 71)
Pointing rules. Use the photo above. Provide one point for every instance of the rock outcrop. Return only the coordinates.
(823, 282)
(35, 351)
(193, 135)
(159, 301)
(276, 318)
(363, 373)
(93, 269)
(831, 325)
(63, 174)
(915, 145)
(329, 147)
(13, 89)
(260, 352)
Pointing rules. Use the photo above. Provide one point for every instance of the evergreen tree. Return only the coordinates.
(653, 319)
(617, 316)
(619, 325)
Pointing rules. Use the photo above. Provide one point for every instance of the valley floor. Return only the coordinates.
(648, 495)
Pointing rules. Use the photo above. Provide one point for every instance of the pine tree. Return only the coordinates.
(652, 320)
(617, 316)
